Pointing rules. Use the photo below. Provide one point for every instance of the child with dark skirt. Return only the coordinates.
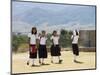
(32, 46)
(42, 51)
(75, 47)
(55, 48)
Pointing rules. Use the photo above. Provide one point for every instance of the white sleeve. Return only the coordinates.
(72, 37)
(74, 33)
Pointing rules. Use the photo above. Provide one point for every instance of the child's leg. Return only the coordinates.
(51, 59)
(28, 61)
(74, 57)
(39, 60)
(33, 62)
(59, 58)
(42, 60)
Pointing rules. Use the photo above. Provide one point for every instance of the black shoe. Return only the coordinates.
(33, 65)
(39, 62)
(27, 63)
(60, 61)
(74, 60)
(43, 64)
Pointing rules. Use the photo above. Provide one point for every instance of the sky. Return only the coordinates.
(21, 7)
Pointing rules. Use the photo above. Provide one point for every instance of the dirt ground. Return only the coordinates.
(87, 60)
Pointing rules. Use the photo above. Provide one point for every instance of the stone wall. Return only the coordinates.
(87, 38)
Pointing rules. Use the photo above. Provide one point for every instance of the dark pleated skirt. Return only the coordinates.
(75, 49)
(33, 53)
(55, 50)
(42, 52)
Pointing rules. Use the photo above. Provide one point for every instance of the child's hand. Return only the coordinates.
(30, 49)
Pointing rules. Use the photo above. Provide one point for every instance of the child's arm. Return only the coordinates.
(51, 39)
(37, 41)
(72, 37)
(29, 44)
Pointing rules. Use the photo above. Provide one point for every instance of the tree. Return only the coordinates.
(65, 38)
(48, 39)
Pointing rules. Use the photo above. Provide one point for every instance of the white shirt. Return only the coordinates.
(32, 38)
(55, 40)
(75, 39)
(42, 40)
(74, 32)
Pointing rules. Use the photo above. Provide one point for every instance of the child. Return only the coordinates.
(32, 46)
(55, 49)
(75, 48)
(42, 48)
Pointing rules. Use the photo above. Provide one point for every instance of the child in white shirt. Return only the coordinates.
(55, 48)
(75, 48)
(42, 52)
(32, 45)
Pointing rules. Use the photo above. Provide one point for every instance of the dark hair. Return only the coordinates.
(54, 32)
(76, 32)
(43, 31)
(34, 28)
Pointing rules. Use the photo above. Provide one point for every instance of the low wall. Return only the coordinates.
(88, 49)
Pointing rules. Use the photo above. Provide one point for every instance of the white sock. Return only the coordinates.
(75, 57)
(42, 60)
(29, 60)
(33, 60)
(59, 57)
(52, 58)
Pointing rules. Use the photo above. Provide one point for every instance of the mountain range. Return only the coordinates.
(37, 16)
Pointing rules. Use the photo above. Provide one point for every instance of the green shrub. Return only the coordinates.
(17, 40)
